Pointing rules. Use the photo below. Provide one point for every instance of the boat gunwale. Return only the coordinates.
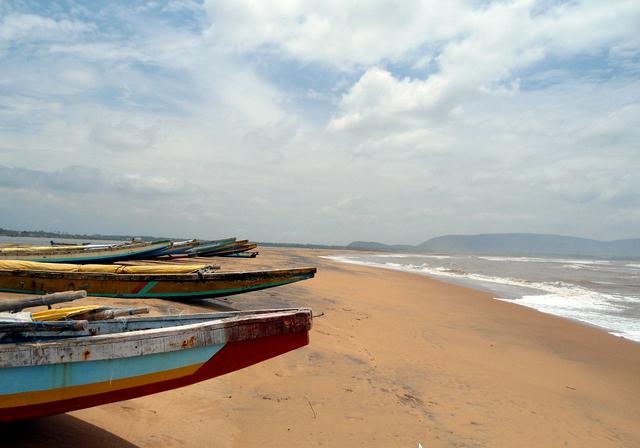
(110, 250)
(239, 249)
(205, 248)
(198, 276)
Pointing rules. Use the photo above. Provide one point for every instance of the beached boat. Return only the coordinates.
(51, 372)
(240, 255)
(58, 244)
(84, 254)
(164, 281)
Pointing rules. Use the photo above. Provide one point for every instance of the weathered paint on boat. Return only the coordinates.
(139, 286)
(185, 247)
(58, 375)
(82, 255)
(231, 250)
(177, 248)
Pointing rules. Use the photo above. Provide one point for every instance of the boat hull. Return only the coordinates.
(183, 248)
(233, 356)
(79, 255)
(166, 286)
(233, 250)
(56, 387)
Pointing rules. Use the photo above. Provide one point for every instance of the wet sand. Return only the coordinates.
(395, 359)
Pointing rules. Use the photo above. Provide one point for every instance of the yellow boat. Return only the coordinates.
(171, 281)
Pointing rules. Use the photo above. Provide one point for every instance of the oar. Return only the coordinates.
(64, 325)
(14, 305)
(103, 314)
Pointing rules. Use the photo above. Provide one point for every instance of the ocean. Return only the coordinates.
(600, 292)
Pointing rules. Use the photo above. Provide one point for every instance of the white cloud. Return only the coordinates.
(349, 33)
(443, 117)
(333, 32)
(499, 41)
(14, 27)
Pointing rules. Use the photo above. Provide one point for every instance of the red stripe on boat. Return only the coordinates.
(139, 288)
(233, 356)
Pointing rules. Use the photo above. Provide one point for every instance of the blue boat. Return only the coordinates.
(191, 247)
(51, 372)
(84, 254)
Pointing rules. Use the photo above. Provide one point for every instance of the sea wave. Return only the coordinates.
(592, 267)
(586, 308)
(575, 266)
(520, 259)
(437, 257)
(577, 261)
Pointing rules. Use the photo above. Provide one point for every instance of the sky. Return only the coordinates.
(321, 122)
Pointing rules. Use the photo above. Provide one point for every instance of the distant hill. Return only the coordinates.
(531, 244)
(522, 244)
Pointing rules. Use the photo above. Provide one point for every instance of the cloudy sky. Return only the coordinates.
(323, 121)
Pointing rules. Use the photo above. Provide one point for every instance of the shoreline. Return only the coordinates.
(396, 359)
(468, 283)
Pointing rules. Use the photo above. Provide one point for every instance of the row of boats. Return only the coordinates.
(74, 357)
(40, 270)
(110, 253)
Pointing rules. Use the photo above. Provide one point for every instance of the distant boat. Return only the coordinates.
(164, 281)
(83, 254)
(46, 372)
(57, 243)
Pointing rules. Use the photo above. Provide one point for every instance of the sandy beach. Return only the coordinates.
(394, 359)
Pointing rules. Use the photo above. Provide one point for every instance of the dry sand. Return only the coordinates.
(396, 359)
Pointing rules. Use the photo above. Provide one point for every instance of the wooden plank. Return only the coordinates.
(21, 327)
(14, 305)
